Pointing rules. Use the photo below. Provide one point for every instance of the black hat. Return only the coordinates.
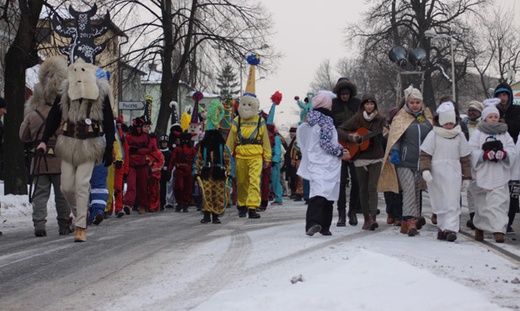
(3, 103)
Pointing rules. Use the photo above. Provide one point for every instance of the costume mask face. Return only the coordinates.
(82, 81)
(248, 107)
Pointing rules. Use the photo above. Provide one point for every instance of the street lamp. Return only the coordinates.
(430, 33)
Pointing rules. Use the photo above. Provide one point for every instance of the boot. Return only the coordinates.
(40, 232)
(313, 230)
(141, 211)
(434, 218)
(242, 211)
(206, 218)
(451, 236)
(185, 208)
(499, 237)
(127, 209)
(412, 227)
(80, 235)
(479, 235)
(341, 218)
(469, 223)
(404, 226)
(397, 222)
(253, 214)
(441, 235)
(420, 222)
(352, 217)
(390, 219)
(374, 224)
(178, 208)
(98, 219)
(368, 221)
(215, 219)
(63, 230)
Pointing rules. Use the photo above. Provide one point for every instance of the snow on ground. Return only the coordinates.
(352, 270)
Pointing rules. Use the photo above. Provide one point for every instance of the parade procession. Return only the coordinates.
(159, 161)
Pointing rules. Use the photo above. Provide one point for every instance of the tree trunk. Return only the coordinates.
(20, 56)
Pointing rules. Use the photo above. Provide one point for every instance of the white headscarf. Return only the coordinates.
(412, 92)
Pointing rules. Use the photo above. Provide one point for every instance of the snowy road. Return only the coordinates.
(169, 261)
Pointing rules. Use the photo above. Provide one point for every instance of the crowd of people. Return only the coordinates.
(411, 151)
(233, 154)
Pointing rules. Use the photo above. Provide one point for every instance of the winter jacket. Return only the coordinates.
(343, 111)
(410, 142)
(510, 113)
(31, 130)
(400, 123)
(375, 149)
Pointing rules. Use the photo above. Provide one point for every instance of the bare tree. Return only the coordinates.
(183, 35)
(21, 19)
(323, 77)
(390, 23)
(496, 48)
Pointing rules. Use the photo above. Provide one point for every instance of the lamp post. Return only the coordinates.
(430, 33)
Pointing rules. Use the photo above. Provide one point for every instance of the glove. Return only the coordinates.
(395, 159)
(108, 159)
(355, 137)
(118, 165)
(427, 176)
(465, 185)
(514, 188)
(500, 155)
(489, 155)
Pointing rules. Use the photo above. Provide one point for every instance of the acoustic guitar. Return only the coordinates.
(363, 145)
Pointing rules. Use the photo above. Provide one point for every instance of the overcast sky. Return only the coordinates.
(307, 35)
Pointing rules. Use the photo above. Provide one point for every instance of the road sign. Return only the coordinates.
(131, 105)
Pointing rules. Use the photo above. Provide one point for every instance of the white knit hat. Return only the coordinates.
(491, 107)
(446, 112)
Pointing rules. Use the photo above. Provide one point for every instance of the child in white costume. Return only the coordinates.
(492, 154)
(445, 166)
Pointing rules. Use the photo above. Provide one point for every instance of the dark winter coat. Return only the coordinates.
(375, 149)
(511, 113)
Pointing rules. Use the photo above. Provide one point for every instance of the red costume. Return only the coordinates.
(155, 162)
(140, 145)
(182, 159)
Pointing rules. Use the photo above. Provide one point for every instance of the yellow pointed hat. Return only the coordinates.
(252, 60)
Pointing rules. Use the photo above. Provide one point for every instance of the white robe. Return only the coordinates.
(321, 169)
(490, 190)
(446, 171)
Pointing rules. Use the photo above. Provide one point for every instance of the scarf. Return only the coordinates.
(415, 114)
(369, 117)
(492, 127)
(445, 133)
